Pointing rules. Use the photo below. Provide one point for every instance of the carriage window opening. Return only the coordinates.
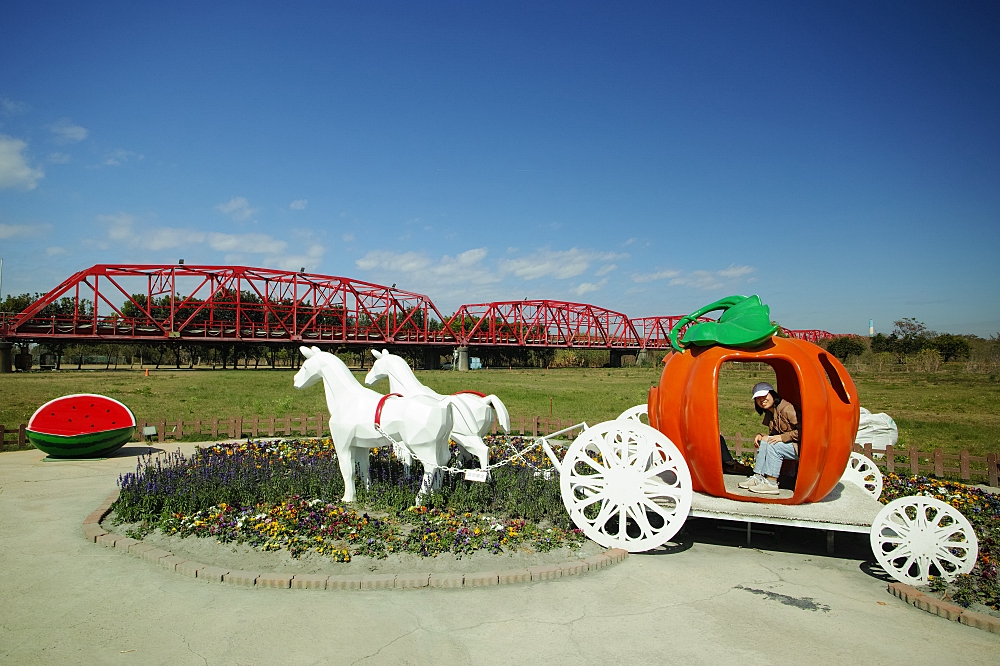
(835, 381)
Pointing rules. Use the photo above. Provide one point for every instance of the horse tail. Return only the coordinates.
(503, 417)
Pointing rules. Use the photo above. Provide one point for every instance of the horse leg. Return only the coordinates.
(473, 445)
(363, 460)
(345, 459)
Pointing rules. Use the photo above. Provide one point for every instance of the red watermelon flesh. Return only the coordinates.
(81, 414)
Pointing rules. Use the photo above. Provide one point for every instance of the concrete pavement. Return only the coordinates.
(64, 600)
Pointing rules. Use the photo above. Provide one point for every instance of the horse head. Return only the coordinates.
(310, 372)
(381, 366)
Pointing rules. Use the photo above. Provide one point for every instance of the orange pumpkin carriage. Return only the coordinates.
(631, 485)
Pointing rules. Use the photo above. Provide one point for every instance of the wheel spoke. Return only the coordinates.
(582, 504)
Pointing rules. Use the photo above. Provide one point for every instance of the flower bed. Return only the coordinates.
(982, 585)
(286, 495)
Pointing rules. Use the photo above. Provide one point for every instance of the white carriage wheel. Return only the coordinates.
(916, 537)
(626, 485)
(635, 414)
(863, 473)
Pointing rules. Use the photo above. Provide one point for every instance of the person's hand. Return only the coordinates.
(773, 439)
(756, 441)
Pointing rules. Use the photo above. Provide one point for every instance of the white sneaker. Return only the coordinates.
(765, 487)
(751, 482)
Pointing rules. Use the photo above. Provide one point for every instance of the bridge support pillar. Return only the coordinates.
(616, 358)
(462, 354)
(432, 358)
(6, 355)
(641, 358)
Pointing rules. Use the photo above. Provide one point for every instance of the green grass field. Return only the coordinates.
(949, 408)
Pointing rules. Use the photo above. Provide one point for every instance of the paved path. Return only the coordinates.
(66, 601)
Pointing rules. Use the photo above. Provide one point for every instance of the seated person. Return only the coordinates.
(729, 464)
(781, 442)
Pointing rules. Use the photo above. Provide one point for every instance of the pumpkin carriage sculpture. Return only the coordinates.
(630, 485)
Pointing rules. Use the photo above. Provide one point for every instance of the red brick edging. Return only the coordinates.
(95, 533)
(945, 609)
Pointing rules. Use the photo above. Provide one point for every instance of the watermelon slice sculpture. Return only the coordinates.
(81, 426)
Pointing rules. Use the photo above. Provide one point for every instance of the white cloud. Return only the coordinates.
(347, 238)
(386, 260)
(120, 157)
(13, 107)
(9, 231)
(54, 250)
(66, 132)
(14, 168)
(700, 279)
(587, 287)
(251, 248)
(298, 204)
(238, 208)
(59, 158)
(119, 226)
(735, 271)
(560, 264)
(251, 243)
(604, 270)
(421, 272)
(658, 275)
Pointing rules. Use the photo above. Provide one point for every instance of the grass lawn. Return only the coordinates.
(950, 408)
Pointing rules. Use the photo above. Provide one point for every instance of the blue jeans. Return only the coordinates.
(769, 457)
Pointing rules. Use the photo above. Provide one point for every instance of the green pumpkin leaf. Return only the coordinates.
(746, 323)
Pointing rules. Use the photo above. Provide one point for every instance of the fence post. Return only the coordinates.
(162, 435)
(253, 428)
(270, 429)
(914, 461)
(288, 425)
(197, 428)
(963, 465)
(939, 463)
(22, 435)
(215, 427)
(319, 424)
(522, 425)
(890, 459)
(3, 436)
(868, 451)
(991, 469)
(534, 427)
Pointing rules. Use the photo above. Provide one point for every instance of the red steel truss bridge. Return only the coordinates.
(238, 304)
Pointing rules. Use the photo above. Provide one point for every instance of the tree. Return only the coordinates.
(846, 345)
(950, 346)
(911, 335)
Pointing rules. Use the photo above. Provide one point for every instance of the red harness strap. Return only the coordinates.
(381, 403)
(481, 395)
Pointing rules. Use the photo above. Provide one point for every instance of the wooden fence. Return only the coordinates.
(15, 438)
(909, 461)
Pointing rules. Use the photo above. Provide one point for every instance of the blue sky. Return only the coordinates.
(841, 161)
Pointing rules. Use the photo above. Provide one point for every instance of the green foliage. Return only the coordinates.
(846, 345)
(950, 346)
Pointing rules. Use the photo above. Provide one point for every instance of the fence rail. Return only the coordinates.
(961, 465)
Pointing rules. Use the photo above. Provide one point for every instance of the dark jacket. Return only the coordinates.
(783, 421)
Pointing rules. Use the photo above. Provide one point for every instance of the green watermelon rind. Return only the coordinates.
(87, 445)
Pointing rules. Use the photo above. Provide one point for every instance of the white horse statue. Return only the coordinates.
(422, 424)
(468, 432)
